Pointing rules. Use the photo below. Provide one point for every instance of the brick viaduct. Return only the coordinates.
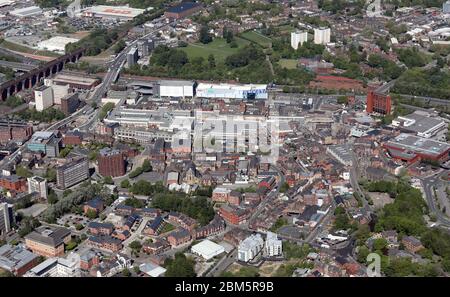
(31, 78)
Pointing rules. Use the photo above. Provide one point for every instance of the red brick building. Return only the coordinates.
(72, 138)
(378, 103)
(13, 183)
(233, 215)
(14, 132)
(111, 163)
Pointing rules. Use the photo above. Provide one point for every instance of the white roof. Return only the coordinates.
(152, 269)
(204, 86)
(207, 249)
(120, 11)
(26, 11)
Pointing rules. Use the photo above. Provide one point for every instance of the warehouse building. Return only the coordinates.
(232, 91)
(26, 12)
(422, 123)
(176, 88)
(207, 249)
(56, 44)
(123, 13)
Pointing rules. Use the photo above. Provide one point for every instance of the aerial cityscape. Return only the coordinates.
(221, 138)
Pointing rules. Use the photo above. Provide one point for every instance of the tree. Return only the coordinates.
(51, 197)
(205, 37)
(125, 184)
(50, 174)
(23, 172)
(211, 61)
(135, 247)
(181, 266)
(91, 214)
(126, 272)
(363, 252)
(146, 166)
(380, 244)
(108, 180)
(284, 187)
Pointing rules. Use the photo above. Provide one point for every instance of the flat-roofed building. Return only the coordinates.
(43, 96)
(111, 162)
(176, 88)
(124, 13)
(410, 148)
(56, 44)
(46, 142)
(232, 91)
(17, 259)
(76, 82)
(26, 12)
(424, 124)
(250, 247)
(57, 267)
(6, 218)
(37, 184)
(72, 173)
(48, 242)
(207, 249)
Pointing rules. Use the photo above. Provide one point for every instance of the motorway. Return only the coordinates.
(428, 183)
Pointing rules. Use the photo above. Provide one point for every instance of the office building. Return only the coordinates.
(70, 103)
(111, 162)
(298, 38)
(57, 267)
(59, 90)
(378, 103)
(72, 173)
(6, 218)
(45, 142)
(250, 247)
(43, 97)
(48, 242)
(37, 184)
(322, 36)
(17, 259)
(132, 56)
(273, 246)
(143, 47)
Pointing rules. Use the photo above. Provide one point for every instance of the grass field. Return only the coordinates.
(288, 63)
(218, 47)
(24, 49)
(257, 38)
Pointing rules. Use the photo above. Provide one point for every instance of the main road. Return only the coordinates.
(428, 184)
